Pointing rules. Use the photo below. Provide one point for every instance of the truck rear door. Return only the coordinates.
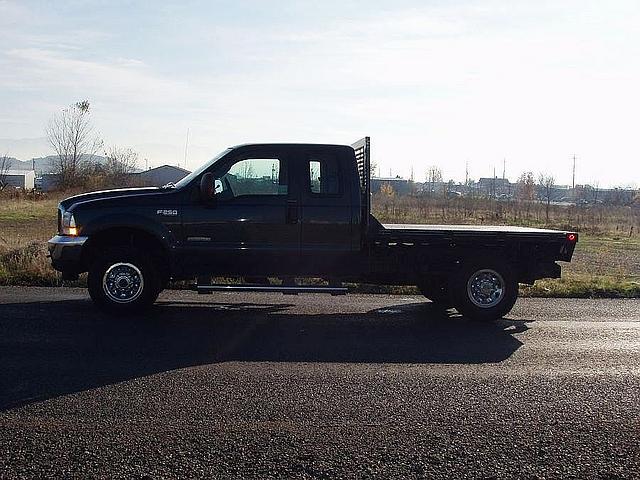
(326, 214)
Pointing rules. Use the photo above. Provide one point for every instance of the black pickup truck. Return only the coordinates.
(273, 214)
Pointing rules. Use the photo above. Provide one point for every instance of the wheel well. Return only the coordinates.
(132, 237)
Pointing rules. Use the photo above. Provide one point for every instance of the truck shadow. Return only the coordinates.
(48, 349)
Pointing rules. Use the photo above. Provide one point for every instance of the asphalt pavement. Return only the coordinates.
(314, 386)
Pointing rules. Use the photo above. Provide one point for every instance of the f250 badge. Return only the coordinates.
(167, 213)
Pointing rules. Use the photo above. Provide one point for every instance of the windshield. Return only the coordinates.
(186, 180)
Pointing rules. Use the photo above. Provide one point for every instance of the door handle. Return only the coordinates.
(292, 211)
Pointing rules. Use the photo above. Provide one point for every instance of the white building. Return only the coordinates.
(24, 179)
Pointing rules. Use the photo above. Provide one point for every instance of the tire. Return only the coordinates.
(123, 280)
(485, 290)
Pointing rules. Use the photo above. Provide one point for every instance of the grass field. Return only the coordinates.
(605, 264)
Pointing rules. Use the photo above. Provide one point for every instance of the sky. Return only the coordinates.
(526, 84)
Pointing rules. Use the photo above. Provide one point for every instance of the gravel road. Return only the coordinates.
(362, 386)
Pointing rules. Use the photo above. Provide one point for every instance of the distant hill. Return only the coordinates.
(12, 161)
(45, 164)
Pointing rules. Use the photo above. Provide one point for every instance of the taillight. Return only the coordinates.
(572, 237)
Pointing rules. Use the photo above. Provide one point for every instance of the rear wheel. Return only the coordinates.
(123, 280)
(485, 290)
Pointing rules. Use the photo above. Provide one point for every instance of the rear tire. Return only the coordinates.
(485, 290)
(123, 280)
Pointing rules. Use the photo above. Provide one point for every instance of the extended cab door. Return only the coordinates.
(327, 215)
(250, 227)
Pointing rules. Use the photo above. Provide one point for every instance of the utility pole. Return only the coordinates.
(186, 145)
(493, 194)
(504, 168)
(573, 181)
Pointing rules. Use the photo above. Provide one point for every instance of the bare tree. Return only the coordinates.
(434, 175)
(596, 189)
(387, 189)
(247, 170)
(546, 183)
(526, 186)
(72, 136)
(525, 192)
(5, 166)
(121, 162)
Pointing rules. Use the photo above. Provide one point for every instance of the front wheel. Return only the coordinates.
(485, 290)
(123, 280)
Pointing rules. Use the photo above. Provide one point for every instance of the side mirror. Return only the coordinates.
(206, 187)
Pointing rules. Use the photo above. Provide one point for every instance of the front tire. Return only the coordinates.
(123, 280)
(485, 290)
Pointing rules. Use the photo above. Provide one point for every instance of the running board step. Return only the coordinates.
(287, 290)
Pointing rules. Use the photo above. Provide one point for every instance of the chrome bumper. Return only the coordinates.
(66, 240)
(66, 254)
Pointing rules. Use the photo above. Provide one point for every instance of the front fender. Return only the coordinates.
(165, 233)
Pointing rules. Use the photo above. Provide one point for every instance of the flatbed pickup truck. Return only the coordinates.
(273, 214)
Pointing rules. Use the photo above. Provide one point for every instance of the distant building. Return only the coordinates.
(494, 187)
(158, 176)
(432, 188)
(24, 179)
(47, 182)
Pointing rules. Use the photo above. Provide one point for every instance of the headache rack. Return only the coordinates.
(362, 149)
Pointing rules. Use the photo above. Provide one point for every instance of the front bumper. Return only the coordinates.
(66, 253)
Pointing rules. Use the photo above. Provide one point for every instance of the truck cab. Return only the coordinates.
(291, 209)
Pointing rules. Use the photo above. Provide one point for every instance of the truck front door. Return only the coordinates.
(250, 227)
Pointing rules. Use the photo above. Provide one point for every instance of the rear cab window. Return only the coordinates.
(324, 175)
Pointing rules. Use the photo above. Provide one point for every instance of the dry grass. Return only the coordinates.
(27, 265)
(606, 261)
(584, 286)
(594, 220)
(26, 223)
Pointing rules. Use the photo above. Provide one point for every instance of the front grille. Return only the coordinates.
(59, 220)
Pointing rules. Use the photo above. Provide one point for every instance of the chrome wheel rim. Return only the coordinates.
(486, 288)
(123, 282)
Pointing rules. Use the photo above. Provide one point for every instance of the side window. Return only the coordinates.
(254, 176)
(324, 175)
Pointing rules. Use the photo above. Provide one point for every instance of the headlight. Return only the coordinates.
(69, 224)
